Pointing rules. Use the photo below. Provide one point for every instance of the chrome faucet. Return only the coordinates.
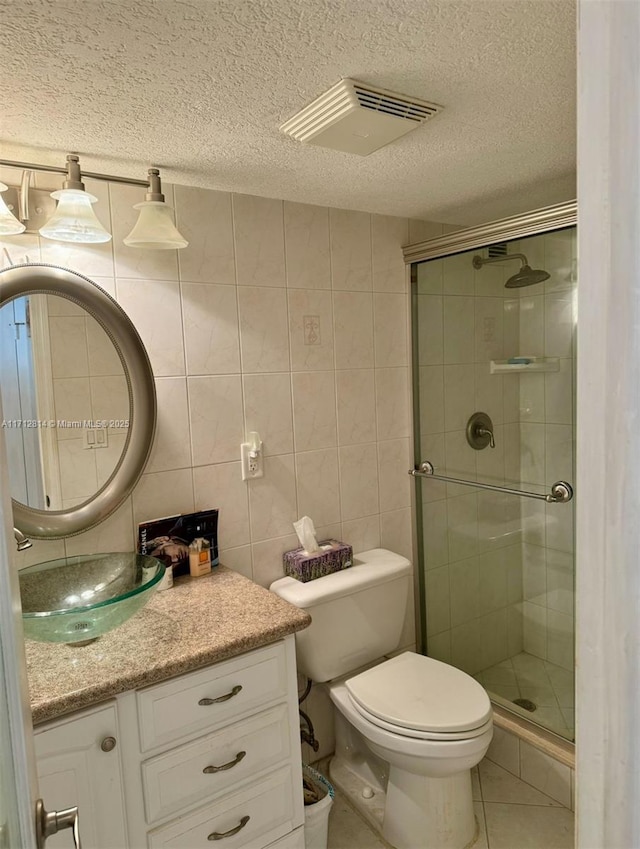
(21, 540)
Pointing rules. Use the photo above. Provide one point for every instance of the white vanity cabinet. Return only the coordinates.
(78, 760)
(211, 755)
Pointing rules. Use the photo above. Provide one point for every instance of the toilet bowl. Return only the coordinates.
(408, 729)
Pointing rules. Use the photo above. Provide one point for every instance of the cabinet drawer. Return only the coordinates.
(264, 811)
(205, 700)
(295, 840)
(176, 779)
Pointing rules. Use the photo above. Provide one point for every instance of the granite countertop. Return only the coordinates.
(198, 622)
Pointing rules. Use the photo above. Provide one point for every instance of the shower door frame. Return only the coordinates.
(544, 220)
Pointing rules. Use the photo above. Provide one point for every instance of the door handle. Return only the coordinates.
(51, 822)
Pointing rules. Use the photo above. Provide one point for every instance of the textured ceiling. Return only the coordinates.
(200, 87)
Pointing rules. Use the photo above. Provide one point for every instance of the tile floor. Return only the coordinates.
(511, 814)
(549, 686)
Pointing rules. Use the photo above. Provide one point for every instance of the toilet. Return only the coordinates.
(408, 729)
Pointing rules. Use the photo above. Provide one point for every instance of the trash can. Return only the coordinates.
(318, 798)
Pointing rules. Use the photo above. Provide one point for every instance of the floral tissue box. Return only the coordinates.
(333, 557)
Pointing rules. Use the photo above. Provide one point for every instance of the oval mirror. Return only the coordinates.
(78, 397)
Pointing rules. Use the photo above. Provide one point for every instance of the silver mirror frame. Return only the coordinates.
(38, 278)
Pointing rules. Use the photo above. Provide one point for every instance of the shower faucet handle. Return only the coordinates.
(483, 431)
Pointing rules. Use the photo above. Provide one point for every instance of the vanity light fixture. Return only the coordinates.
(74, 219)
(9, 224)
(155, 228)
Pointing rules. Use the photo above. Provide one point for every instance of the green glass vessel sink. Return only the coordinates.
(76, 599)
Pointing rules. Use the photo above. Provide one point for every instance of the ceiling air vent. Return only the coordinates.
(499, 249)
(358, 118)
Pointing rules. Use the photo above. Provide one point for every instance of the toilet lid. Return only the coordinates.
(413, 691)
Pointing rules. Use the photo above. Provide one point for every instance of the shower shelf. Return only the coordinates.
(537, 364)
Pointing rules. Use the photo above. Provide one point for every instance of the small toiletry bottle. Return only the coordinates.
(166, 582)
(199, 557)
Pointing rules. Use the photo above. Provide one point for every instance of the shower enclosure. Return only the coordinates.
(494, 348)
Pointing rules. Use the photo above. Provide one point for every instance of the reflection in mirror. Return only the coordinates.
(65, 401)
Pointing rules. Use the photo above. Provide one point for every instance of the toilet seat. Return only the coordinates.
(419, 697)
(421, 735)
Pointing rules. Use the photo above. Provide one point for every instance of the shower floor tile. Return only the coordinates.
(548, 686)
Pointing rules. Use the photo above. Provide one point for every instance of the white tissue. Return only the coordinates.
(307, 535)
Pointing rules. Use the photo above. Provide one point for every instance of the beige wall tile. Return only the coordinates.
(390, 330)
(221, 487)
(358, 480)
(204, 219)
(314, 410)
(172, 443)
(317, 486)
(350, 250)
(388, 235)
(394, 482)
(310, 329)
(264, 339)
(162, 494)
(396, 532)
(363, 534)
(306, 232)
(259, 240)
(356, 406)
(353, 329)
(211, 330)
(272, 499)
(392, 403)
(215, 413)
(269, 411)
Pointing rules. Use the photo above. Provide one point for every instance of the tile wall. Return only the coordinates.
(547, 428)
(279, 317)
(472, 539)
(498, 570)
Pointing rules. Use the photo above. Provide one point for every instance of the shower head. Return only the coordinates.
(527, 276)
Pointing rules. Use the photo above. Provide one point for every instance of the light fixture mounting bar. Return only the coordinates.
(53, 169)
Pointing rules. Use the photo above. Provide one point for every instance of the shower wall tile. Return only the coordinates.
(306, 236)
(438, 598)
(558, 325)
(489, 329)
(458, 275)
(259, 241)
(431, 330)
(205, 220)
(459, 330)
(558, 389)
(459, 389)
(430, 277)
(431, 399)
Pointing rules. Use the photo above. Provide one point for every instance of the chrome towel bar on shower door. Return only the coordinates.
(561, 491)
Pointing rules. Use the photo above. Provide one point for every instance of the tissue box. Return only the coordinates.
(306, 567)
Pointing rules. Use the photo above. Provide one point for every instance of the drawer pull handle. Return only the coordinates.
(225, 698)
(220, 835)
(210, 769)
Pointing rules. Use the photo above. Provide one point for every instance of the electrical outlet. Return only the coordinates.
(251, 457)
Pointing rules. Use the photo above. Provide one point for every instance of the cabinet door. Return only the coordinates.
(73, 769)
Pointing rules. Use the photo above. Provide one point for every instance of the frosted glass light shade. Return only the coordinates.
(155, 229)
(74, 220)
(9, 224)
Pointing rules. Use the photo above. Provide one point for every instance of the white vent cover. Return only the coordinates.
(358, 118)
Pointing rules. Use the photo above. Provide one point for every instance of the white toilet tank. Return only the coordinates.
(357, 613)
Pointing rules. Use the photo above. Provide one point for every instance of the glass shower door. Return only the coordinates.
(497, 570)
